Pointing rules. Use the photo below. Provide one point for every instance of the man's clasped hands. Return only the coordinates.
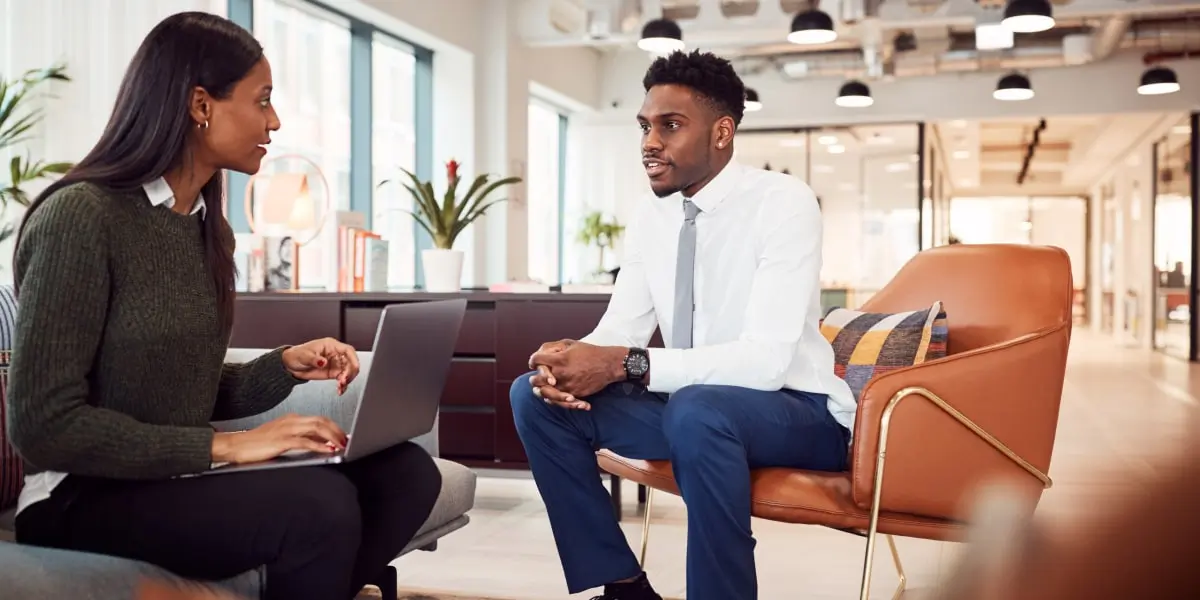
(570, 370)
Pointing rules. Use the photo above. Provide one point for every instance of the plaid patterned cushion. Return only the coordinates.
(868, 344)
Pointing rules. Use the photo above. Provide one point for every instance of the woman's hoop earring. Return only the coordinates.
(203, 125)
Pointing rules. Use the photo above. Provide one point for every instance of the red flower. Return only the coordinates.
(452, 170)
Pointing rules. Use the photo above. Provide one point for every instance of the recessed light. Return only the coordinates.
(959, 123)
(962, 154)
(827, 139)
(792, 143)
(836, 149)
(1181, 129)
(897, 167)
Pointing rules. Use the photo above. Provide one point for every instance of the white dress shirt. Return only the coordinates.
(757, 290)
(39, 485)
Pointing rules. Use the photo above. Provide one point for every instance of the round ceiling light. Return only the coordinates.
(752, 102)
(1013, 87)
(661, 36)
(812, 27)
(1157, 81)
(1028, 16)
(854, 94)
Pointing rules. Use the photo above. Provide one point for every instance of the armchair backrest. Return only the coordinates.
(991, 292)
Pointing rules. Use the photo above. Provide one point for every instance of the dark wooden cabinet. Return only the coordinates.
(499, 333)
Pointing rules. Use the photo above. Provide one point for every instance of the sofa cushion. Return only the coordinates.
(31, 572)
(866, 345)
(456, 498)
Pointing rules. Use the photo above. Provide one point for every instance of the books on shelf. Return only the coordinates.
(362, 255)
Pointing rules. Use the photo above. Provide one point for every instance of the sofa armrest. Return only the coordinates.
(932, 462)
(317, 398)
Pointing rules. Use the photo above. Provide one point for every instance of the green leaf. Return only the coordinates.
(488, 190)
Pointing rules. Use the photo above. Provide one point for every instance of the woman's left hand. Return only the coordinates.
(322, 359)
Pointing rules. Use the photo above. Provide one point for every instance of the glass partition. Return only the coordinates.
(1173, 241)
(866, 179)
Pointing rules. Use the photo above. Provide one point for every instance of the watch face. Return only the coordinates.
(637, 364)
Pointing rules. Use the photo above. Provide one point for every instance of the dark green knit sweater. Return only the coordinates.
(118, 362)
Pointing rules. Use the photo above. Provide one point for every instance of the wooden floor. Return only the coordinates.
(1122, 410)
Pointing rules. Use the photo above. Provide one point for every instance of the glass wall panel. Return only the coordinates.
(544, 190)
(865, 177)
(394, 147)
(1173, 241)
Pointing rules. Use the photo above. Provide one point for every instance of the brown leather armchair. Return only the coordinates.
(989, 409)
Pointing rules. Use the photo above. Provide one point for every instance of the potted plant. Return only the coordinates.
(596, 230)
(16, 123)
(445, 219)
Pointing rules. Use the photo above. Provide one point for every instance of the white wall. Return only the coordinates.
(95, 39)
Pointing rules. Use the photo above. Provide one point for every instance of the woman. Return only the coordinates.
(125, 278)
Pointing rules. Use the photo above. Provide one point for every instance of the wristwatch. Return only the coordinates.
(637, 364)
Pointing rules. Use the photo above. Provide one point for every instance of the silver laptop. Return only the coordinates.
(403, 384)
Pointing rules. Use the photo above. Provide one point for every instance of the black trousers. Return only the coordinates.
(321, 532)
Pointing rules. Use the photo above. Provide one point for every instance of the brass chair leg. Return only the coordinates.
(646, 526)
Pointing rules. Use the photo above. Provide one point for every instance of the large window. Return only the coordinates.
(394, 147)
(545, 189)
(350, 99)
(309, 50)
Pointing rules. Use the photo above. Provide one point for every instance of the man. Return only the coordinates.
(725, 262)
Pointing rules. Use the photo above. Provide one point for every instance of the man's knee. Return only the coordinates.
(693, 417)
(527, 408)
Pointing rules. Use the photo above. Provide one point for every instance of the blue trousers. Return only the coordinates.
(713, 435)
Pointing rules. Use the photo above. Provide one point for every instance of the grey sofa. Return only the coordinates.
(28, 572)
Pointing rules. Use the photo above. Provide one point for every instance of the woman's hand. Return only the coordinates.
(322, 359)
(271, 439)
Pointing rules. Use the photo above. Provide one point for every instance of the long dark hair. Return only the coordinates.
(148, 131)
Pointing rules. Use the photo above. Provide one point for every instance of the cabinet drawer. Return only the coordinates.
(471, 382)
(469, 435)
(476, 337)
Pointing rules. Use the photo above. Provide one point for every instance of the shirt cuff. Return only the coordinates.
(667, 370)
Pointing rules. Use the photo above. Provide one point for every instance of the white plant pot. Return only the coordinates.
(443, 270)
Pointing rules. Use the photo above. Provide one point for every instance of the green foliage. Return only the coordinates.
(599, 232)
(445, 219)
(17, 121)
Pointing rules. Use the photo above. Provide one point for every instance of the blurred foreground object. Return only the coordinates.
(153, 589)
(1139, 546)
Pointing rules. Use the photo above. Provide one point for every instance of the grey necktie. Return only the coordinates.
(685, 271)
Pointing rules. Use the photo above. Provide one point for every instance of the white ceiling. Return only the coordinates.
(1072, 153)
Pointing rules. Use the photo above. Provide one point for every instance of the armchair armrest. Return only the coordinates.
(317, 398)
(945, 426)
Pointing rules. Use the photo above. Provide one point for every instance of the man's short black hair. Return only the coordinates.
(710, 76)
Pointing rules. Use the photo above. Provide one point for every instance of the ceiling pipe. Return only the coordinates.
(1109, 35)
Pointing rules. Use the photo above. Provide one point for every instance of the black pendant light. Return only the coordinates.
(1157, 81)
(1013, 87)
(661, 36)
(854, 94)
(1028, 16)
(812, 27)
(752, 102)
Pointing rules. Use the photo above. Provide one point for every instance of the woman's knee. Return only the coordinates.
(322, 505)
